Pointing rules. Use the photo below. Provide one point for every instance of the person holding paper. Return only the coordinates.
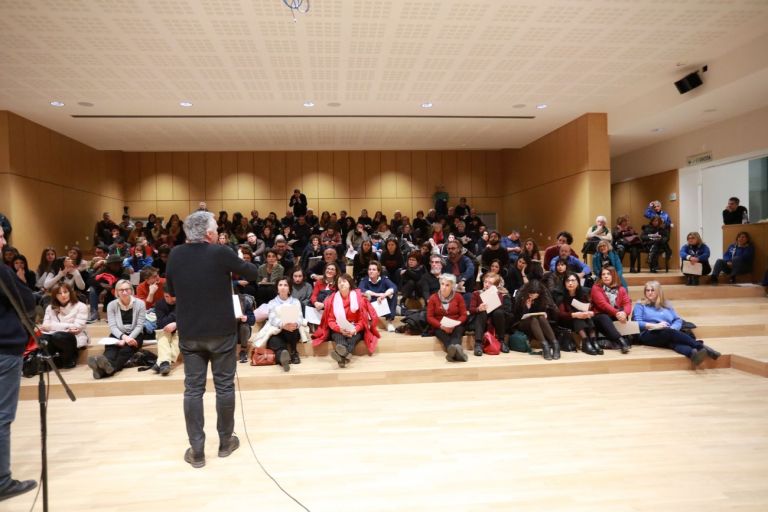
(611, 303)
(532, 310)
(64, 325)
(348, 318)
(382, 290)
(660, 326)
(575, 314)
(126, 324)
(199, 275)
(696, 253)
(495, 309)
(446, 314)
(314, 249)
(285, 315)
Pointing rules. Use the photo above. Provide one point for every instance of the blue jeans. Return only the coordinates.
(671, 338)
(220, 352)
(10, 380)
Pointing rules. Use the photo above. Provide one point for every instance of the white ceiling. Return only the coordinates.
(377, 57)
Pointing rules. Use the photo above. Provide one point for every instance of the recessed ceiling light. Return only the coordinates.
(185, 103)
(426, 104)
(541, 106)
(334, 104)
(309, 104)
(657, 130)
(57, 103)
(85, 103)
(518, 105)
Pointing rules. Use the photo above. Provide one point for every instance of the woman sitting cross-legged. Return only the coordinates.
(577, 319)
(695, 251)
(348, 318)
(410, 277)
(610, 301)
(446, 302)
(534, 299)
(284, 341)
(64, 325)
(660, 326)
(126, 324)
(380, 288)
(499, 317)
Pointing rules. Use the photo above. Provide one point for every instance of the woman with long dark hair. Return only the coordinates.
(532, 311)
(576, 318)
(64, 325)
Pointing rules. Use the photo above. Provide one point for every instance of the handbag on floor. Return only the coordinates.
(262, 356)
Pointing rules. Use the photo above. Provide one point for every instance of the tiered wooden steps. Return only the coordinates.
(733, 319)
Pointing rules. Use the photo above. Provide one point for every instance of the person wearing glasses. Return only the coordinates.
(660, 326)
(126, 317)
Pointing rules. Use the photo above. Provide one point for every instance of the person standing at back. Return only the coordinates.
(199, 275)
(298, 203)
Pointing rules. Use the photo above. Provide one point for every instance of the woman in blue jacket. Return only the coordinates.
(660, 326)
(605, 256)
(695, 251)
(736, 260)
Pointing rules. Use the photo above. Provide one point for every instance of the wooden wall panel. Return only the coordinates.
(345, 177)
(293, 173)
(404, 174)
(197, 183)
(434, 172)
(311, 175)
(245, 175)
(261, 175)
(229, 175)
(213, 183)
(387, 174)
(164, 166)
(131, 177)
(355, 164)
(372, 174)
(464, 176)
(419, 173)
(450, 168)
(16, 145)
(478, 175)
(180, 176)
(148, 177)
(277, 174)
(5, 154)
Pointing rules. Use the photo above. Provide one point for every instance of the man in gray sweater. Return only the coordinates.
(199, 275)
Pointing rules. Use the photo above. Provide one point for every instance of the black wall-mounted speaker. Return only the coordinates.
(688, 83)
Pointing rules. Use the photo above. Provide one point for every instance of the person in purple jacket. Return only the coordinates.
(660, 326)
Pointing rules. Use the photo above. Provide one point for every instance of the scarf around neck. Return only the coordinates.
(338, 304)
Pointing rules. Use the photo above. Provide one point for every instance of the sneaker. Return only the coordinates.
(461, 356)
(698, 356)
(285, 360)
(340, 355)
(196, 461)
(226, 449)
(450, 353)
(390, 327)
(93, 364)
(17, 487)
(155, 368)
(243, 356)
(165, 368)
(93, 317)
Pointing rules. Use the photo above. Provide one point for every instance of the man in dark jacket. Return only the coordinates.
(199, 275)
(13, 340)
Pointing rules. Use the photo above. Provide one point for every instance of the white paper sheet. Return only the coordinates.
(135, 278)
(289, 313)
(312, 316)
(449, 322)
(625, 329)
(382, 308)
(107, 341)
(695, 269)
(581, 306)
(236, 306)
(490, 298)
(351, 253)
(529, 315)
(344, 324)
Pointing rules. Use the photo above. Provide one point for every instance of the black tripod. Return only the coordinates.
(43, 358)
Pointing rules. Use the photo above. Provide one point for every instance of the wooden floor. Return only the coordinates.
(681, 440)
(406, 430)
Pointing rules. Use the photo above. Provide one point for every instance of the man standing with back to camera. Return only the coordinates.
(199, 276)
(13, 339)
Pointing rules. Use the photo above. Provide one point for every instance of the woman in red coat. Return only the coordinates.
(610, 301)
(447, 303)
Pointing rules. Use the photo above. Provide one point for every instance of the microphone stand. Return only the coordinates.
(43, 356)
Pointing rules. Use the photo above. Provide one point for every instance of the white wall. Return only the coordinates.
(704, 193)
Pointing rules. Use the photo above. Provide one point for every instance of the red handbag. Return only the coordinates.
(262, 356)
(491, 344)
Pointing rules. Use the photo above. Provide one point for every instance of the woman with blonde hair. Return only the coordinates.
(660, 326)
(695, 251)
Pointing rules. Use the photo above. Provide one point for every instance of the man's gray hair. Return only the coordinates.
(449, 278)
(197, 224)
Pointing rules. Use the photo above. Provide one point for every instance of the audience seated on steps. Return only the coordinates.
(64, 325)
(694, 251)
(167, 335)
(627, 240)
(736, 260)
(610, 302)
(378, 288)
(532, 312)
(499, 318)
(605, 256)
(301, 290)
(655, 239)
(448, 303)
(284, 336)
(597, 233)
(576, 318)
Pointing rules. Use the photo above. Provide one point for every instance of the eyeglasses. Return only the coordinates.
(125, 290)
(650, 290)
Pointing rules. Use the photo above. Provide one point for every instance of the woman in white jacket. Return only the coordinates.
(285, 336)
(64, 325)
